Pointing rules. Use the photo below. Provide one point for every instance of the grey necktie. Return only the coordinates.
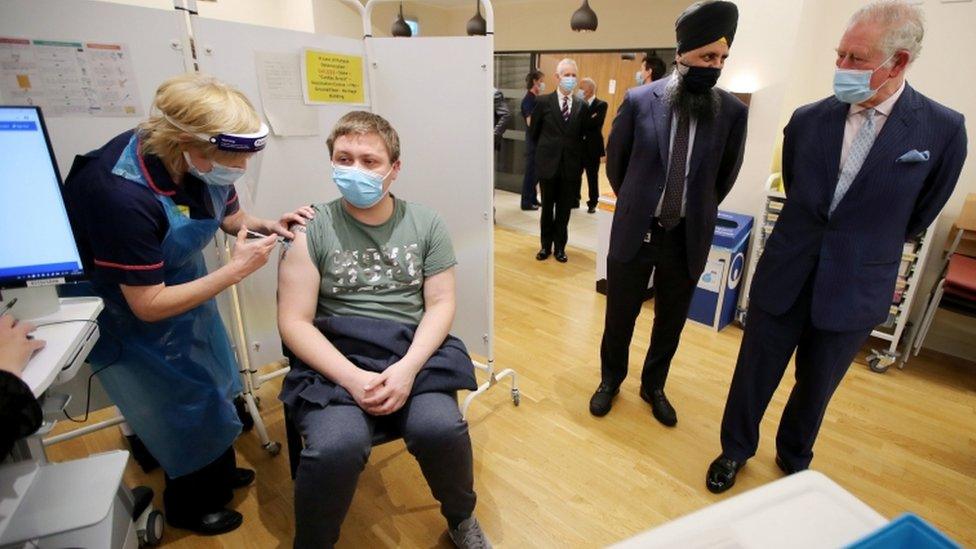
(855, 158)
(671, 207)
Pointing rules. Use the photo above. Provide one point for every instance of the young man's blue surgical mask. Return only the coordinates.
(219, 175)
(361, 188)
(854, 86)
(567, 84)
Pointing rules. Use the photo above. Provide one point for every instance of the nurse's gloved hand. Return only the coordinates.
(297, 217)
(250, 255)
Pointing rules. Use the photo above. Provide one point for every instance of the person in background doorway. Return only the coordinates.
(535, 85)
(652, 68)
(593, 147)
(674, 152)
(558, 122)
(503, 118)
(864, 170)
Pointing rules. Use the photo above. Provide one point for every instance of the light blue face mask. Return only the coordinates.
(854, 86)
(639, 78)
(361, 188)
(567, 83)
(542, 87)
(219, 175)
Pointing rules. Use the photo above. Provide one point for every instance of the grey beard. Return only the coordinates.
(696, 106)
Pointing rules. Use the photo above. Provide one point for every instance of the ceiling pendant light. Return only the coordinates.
(584, 19)
(400, 27)
(477, 26)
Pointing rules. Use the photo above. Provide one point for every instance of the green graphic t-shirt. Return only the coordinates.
(377, 271)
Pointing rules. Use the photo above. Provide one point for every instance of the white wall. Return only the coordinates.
(289, 14)
(765, 72)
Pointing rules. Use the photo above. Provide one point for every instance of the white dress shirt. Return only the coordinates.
(561, 95)
(855, 121)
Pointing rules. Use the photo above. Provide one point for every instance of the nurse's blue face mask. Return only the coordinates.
(854, 86)
(361, 188)
(219, 175)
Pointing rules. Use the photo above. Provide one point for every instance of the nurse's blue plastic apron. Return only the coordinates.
(174, 379)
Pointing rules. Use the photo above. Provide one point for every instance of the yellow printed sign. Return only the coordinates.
(332, 78)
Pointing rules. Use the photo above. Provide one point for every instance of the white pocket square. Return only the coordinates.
(914, 156)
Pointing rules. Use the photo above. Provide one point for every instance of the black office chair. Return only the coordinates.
(384, 432)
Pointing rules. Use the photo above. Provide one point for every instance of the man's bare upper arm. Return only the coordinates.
(298, 282)
(440, 287)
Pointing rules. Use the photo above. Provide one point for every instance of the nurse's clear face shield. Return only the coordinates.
(230, 142)
(234, 150)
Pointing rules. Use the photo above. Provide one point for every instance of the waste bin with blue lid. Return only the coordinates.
(717, 295)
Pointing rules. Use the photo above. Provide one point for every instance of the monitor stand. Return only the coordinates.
(33, 302)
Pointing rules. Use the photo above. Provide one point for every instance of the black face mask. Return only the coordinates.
(700, 79)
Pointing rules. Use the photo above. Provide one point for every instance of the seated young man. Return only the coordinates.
(366, 301)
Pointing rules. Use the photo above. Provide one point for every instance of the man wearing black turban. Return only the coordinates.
(673, 154)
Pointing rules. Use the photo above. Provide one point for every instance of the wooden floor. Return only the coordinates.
(550, 475)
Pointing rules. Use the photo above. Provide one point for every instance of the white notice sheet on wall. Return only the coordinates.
(280, 85)
(68, 78)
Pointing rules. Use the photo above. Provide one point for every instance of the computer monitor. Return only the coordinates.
(37, 247)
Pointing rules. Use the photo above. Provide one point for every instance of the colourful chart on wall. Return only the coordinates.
(329, 78)
(67, 78)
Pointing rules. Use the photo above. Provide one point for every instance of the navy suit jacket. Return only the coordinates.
(638, 152)
(856, 252)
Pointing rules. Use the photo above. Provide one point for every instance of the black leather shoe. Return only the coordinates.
(660, 407)
(591, 210)
(721, 474)
(211, 524)
(529, 208)
(782, 466)
(560, 256)
(542, 255)
(241, 478)
(602, 399)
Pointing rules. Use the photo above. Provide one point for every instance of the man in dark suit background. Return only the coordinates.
(593, 148)
(674, 152)
(864, 171)
(557, 128)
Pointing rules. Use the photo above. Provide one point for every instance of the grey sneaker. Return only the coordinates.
(469, 535)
